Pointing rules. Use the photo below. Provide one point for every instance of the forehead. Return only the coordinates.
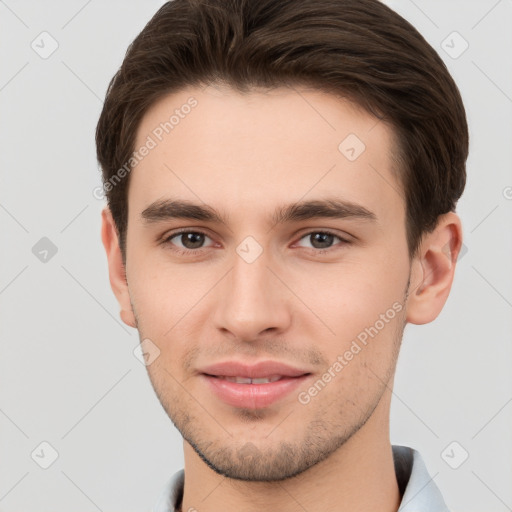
(262, 148)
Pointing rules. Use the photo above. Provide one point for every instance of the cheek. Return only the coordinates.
(350, 296)
(168, 298)
(165, 305)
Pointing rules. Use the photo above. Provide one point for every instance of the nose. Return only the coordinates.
(251, 301)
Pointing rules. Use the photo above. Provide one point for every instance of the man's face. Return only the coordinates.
(259, 294)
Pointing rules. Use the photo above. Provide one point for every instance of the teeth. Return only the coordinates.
(239, 380)
(266, 380)
(247, 380)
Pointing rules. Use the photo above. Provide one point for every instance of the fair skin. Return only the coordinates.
(301, 302)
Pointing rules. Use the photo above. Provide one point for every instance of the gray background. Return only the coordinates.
(68, 376)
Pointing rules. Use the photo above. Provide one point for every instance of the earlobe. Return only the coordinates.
(433, 270)
(116, 268)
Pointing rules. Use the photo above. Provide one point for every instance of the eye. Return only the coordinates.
(322, 239)
(190, 242)
(187, 241)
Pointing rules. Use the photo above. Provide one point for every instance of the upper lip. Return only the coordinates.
(260, 370)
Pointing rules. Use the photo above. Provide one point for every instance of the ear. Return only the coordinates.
(433, 269)
(116, 269)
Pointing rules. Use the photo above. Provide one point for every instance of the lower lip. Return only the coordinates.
(253, 396)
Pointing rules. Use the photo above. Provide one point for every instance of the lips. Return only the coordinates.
(260, 370)
(252, 386)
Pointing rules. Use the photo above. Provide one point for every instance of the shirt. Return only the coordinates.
(418, 490)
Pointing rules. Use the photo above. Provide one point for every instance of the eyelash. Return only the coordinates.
(191, 252)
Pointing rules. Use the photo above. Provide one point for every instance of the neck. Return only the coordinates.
(359, 476)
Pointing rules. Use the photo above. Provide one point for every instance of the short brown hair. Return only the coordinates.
(359, 49)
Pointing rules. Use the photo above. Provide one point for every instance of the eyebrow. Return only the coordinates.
(169, 209)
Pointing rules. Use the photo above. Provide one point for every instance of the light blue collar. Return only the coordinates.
(421, 494)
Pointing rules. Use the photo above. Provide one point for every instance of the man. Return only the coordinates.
(281, 178)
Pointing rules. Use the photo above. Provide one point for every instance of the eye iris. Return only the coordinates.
(192, 240)
(324, 239)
